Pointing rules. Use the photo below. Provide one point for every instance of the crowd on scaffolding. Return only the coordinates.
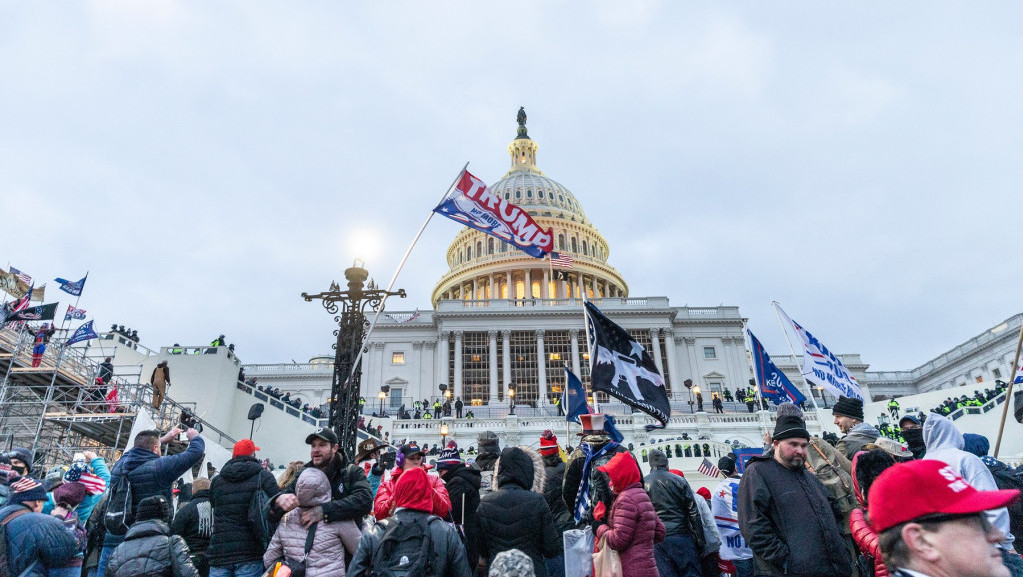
(859, 505)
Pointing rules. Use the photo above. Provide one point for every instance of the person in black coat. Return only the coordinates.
(194, 522)
(234, 549)
(554, 469)
(149, 548)
(463, 485)
(515, 517)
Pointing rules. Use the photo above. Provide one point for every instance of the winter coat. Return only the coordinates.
(633, 526)
(790, 522)
(516, 516)
(383, 504)
(554, 471)
(863, 533)
(485, 463)
(231, 493)
(945, 443)
(350, 496)
(149, 549)
(84, 509)
(161, 376)
(854, 440)
(576, 464)
(151, 474)
(34, 536)
(675, 503)
(194, 522)
(710, 528)
(463, 484)
(326, 556)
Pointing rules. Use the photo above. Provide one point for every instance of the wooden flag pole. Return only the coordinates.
(1008, 391)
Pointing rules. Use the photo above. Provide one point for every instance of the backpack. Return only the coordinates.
(1009, 478)
(404, 548)
(5, 557)
(833, 476)
(120, 511)
(259, 515)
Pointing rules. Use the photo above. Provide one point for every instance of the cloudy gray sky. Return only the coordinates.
(209, 161)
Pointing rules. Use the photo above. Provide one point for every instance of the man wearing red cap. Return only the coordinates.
(932, 524)
(235, 550)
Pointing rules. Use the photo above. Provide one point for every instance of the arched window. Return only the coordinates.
(504, 247)
(584, 247)
(459, 257)
(561, 242)
(490, 246)
(479, 249)
(468, 252)
(575, 247)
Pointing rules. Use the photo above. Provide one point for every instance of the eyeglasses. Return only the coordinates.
(980, 520)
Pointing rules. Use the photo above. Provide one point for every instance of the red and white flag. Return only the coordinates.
(94, 484)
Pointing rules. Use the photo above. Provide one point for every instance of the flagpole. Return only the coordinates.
(394, 279)
(749, 359)
(806, 383)
(1008, 391)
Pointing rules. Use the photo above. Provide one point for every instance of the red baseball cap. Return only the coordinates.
(917, 489)
(244, 448)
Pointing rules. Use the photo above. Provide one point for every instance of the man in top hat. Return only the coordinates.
(582, 480)
(848, 413)
(410, 456)
(785, 514)
(33, 538)
(370, 450)
(932, 523)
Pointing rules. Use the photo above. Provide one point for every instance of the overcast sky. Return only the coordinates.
(207, 162)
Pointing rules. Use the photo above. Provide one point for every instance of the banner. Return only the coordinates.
(774, 385)
(820, 366)
(573, 398)
(74, 314)
(12, 307)
(72, 287)
(621, 367)
(10, 284)
(83, 333)
(743, 455)
(471, 203)
(36, 313)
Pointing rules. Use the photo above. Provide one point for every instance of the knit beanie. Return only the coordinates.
(26, 489)
(548, 443)
(511, 563)
(24, 455)
(657, 458)
(69, 494)
(200, 484)
(449, 459)
(848, 407)
(488, 442)
(155, 507)
(790, 427)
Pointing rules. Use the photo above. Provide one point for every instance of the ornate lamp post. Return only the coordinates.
(347, 378)
(443, 435)
(823, 398)
(382, 395)
(689, 385)
(511, 400)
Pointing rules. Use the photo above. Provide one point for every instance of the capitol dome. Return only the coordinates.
(483, 268)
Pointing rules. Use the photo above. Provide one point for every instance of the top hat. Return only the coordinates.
(593, 424)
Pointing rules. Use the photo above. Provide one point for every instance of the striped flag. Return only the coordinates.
(708, 469)
(561, 260)
(73, 313)
(21, 276)
(94, 484)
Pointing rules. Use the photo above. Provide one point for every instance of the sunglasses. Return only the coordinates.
(981, 519)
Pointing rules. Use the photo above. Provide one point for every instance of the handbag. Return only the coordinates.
(292, 567)
(606, 561)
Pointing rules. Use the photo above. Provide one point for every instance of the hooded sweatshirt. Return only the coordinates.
(945, 443)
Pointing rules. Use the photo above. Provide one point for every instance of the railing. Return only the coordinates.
(278, 404)
(289, 369)
(121, 339)
(199, 350)
(963, 411)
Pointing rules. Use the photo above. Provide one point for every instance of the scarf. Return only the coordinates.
(582, 499)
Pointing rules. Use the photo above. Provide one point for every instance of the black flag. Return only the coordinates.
(36, 313)
(621, 367)
(561, 275)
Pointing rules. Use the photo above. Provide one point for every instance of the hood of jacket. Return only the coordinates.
(467, 474)
(521, 466)
(976, 444)
(239, 469)
(413, 491)
(133, 459)
(312, 488)
(623, 472)
(941, 433)
(147, 529)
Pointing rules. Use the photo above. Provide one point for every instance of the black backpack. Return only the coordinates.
(1009, 478)
(120, 512)
(404, 548)
(259, 515)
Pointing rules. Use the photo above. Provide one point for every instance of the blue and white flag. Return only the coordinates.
(573, 398)
(74, 314)
(83, 333)
(71, 287)
(821, 367)
(774, 385)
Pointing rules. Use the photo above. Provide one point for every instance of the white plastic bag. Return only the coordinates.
(579, 552)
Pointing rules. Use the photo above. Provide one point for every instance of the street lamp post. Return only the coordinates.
(443, 435)
(382, 395)
(689, 386)
(696, 391)
(511, 400)
(823, 398)
(349, 310)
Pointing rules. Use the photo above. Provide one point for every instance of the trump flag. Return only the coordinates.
(773, 383)
(820, 366)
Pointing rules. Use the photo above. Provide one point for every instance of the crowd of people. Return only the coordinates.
(862, 505)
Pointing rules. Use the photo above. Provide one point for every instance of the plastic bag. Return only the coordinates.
(578, 552)
(606, 561)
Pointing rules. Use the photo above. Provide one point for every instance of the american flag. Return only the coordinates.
(557, 259)
(708, 469)
(21, 276)
(94, 484)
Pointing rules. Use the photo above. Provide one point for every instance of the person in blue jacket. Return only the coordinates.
(150, 474)
(39, 541)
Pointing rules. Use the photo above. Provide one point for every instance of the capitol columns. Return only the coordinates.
(574, 335)
(541, 364)
(655, 345)
(508, 283)
(691, 355)
(506, 354)
(425, 371)
(458, 364)
(441, 368)
(669, 344)
(492, 336)
(417, 347)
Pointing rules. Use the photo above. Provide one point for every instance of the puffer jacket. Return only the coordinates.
(554, 470)
(577, 463)
(854, 440)
(516, 516)
(945, 443)
(675, 503)
(194, 522)
(383, 503)
(463, 484)
(151, 474)
(230, 494)
(633, 526)
(34, 536)
(149, 549)
(350, 495)
(325, 556)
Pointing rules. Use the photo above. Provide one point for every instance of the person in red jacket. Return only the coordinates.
(633, 526)
(410, 457)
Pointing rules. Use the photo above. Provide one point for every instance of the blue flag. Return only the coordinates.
(573, 398)
(774, 385)
(83, 333)
(612, 429)
(743, 455)
(71, 287)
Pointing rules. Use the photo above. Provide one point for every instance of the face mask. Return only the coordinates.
(914, 437)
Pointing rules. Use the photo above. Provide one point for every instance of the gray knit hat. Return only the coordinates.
(657, 458)
(512, 563)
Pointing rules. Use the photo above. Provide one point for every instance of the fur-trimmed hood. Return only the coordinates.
(539, 471)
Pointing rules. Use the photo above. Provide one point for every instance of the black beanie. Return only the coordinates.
(155, 507)
(849, 407)
(789, 427)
